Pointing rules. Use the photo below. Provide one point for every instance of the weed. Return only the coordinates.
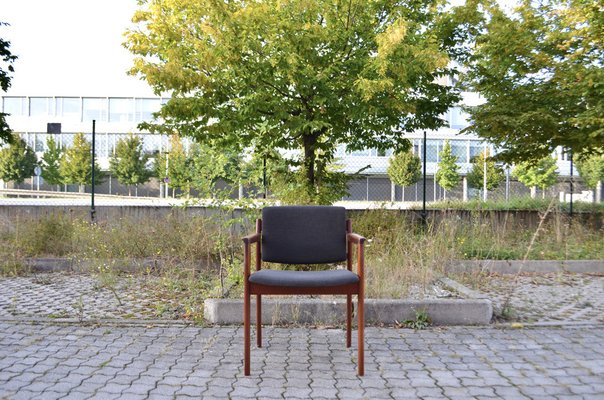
(422, 321)
(79, 307)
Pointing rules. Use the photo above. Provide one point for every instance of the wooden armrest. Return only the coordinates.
(253, 238)
(355, 238)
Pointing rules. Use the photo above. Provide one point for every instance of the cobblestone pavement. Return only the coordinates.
(548, 297)
(49, 361)
(80, 296)
(87, 297)
(534, 298)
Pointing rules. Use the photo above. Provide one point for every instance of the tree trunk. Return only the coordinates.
(533, 192)
(598, 193)
(82, 188)
(445, 194)
(309, 141)
(129, 191)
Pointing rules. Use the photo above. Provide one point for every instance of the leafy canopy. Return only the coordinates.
(542, 173)
(540, 71)
(6, 67)
(476, 175)
(298, 74)
(404, 168)
(448, 175)
(129, 163)
(51, 162)
(75, 166)
(591, 169)
(17, 161)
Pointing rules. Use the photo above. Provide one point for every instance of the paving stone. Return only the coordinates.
(557, 362)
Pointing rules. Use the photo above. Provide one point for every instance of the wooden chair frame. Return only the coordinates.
(251, 288)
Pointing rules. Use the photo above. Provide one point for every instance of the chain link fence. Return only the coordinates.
(372, 185)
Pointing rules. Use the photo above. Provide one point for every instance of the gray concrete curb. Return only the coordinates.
(333, 312)
(530, 266)
(496, 266)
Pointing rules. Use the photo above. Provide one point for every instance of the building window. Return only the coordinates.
(459, 148)
(40, 143)
(476, 148)
(67, 139)
(94, 108)
(432, 148)
(101, 145)
(459, 118)
(15, 106)
(68, 107)
(145, 109)
(151, 143)
(120, 110)
(39, 106)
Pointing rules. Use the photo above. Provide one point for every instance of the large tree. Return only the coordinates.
(6, 67)
(539, 68)
(537, 174)
(303, 75)
(17, 161)
(129, 162)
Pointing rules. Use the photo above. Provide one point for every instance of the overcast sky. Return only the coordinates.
(70, 47)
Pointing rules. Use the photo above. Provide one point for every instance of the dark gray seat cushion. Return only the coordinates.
(272, 277)
(303, 234)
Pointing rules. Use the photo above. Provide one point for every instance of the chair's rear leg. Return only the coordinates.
(361, 323)
(246, 334)
(348, 320)
(259, 320)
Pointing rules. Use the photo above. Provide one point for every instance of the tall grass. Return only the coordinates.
(201, 256)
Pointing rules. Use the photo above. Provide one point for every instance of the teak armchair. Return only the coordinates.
(304, 235)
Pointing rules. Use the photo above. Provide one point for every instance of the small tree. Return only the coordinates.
(447, 175)
(476, 175)
(404, 169)
(207, 166)
(541, 174)
(51, 163)
(75, 164)
(178, 165)
(591, 169)
(129, 163)
(17, 161)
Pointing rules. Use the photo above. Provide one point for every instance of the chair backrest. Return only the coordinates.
(304, 234)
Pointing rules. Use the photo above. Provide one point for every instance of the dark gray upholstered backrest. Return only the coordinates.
(304, 234)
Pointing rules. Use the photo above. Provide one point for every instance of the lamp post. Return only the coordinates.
(37, 173)
(167, 180)
(92, 210)
(424, 214)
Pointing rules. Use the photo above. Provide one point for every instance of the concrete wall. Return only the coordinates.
(529, 219)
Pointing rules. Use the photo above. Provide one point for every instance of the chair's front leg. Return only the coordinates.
(259, 320)
(348, 320)
(246, 310)
(361, 307)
